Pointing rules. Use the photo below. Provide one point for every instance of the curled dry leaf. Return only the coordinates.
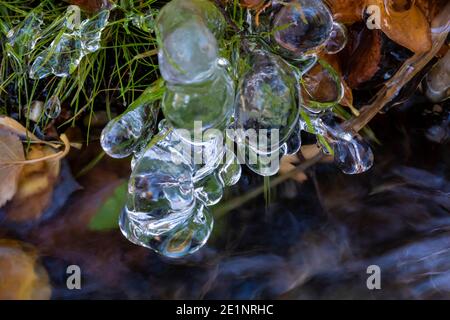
(36, 184)
(21, 276)
(27, 182)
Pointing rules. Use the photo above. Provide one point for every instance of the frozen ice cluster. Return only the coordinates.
(181, 166)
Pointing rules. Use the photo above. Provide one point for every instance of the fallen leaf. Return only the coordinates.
(36, 184)
(11, 151)
(21, 276)
(347, 11)
(409, 28)
(363, 56)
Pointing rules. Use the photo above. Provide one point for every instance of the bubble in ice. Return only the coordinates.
(188, 54)
(52, 108)
(124, 134)
(302, 26)
(353, 156)
(210, 102)
(267, 99)
(338, 39)
(64, 54)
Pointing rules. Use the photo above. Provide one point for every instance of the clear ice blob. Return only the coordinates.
(353, 156)
(302, 26)
(52, 108)
(338, 39)
(160, 186)
(177, 12)
(22, 39)
(169, 191)
(188, 54)
(209, 103)
(124, 134)
(64, 54)
(267, 102)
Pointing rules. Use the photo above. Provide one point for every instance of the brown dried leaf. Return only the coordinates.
(21, 276)
(35, 188)
(347, 11)
(408, 28)
(364, 59)
(11, 151)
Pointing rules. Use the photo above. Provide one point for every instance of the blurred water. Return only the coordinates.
(314, 240)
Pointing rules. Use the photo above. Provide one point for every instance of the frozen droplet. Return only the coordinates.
(185, 238)
(64, 54)
(144, 21)
(22, 39)
(354, 156)
(231, 170)
(209, 190)
(188, 54)
(125, 133)
(52, 107)
(302, 26)
(209, 103)
(338, 39)
(91, 32)
(264, 164)
(267, 102)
